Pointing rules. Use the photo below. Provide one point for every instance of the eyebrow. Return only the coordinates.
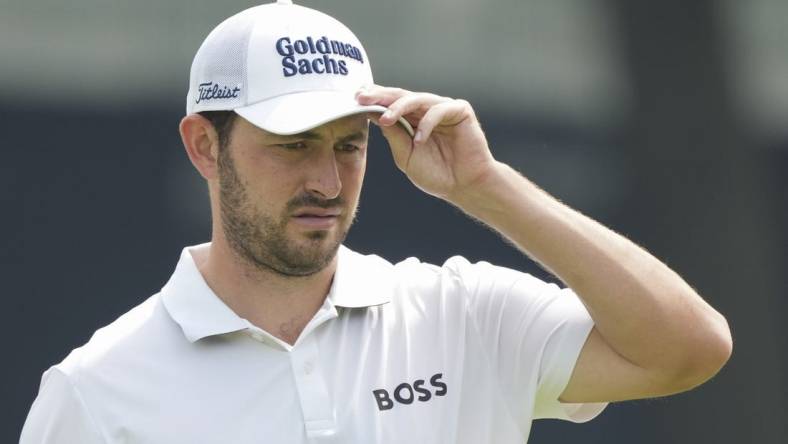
(306, 135)
(311, 135)
(354, 137)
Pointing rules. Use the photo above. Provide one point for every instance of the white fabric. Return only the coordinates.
(314, 108)
(474, 352)
(285, 68)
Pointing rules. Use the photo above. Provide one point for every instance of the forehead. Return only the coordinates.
(356, 124)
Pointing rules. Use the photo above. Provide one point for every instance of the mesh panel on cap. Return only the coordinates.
(221, 60)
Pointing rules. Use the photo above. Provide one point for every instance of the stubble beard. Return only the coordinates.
(260, 240)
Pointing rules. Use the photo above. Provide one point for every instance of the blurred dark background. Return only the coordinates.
(665, 120)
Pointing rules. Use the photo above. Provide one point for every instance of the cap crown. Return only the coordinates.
(273, 50)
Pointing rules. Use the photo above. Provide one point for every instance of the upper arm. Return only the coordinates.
(59, 415)
(532, 333)
(602, 375)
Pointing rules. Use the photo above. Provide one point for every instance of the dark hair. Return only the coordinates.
(222, 122)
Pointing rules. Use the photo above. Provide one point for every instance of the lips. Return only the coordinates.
(318, 212)
(317, 218)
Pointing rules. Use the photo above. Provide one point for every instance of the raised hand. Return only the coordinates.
(449, 152)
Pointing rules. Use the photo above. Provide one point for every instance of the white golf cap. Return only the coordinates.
(285, 68)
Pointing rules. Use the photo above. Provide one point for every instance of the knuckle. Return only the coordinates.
(465, 107)
(408, 102)
(436, 99)
(400, 91)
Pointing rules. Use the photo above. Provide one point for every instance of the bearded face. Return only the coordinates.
(292, 230)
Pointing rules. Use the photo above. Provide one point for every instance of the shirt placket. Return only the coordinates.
(317, 408)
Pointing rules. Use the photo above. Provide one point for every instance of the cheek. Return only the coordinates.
(267, 192)
(352, 175)
(269, 176)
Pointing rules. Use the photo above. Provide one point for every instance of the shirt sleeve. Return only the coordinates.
(59, 415)
(533, 333)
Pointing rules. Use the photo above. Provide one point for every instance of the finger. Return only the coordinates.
(399, 141)
(445, 113)
(379, 95)
(374, 116)
(410, 104)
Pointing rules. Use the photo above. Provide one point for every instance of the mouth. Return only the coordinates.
(317, 218)
(317, 212)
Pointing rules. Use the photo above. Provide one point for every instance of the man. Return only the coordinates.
(274, 332)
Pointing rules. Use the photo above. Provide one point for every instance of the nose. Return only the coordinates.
(323, 175)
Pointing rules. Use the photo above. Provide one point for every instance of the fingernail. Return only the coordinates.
(417, 138)
(387, 115)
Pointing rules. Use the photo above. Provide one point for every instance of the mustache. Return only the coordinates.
(310, 200)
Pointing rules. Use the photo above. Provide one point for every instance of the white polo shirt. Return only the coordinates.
(405, 353)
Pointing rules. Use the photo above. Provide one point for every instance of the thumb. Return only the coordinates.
(400, 143)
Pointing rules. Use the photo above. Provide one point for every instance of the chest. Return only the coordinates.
(369, 377)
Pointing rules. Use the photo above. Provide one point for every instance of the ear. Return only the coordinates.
(201, 143)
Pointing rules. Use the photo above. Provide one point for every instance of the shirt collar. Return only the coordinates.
(359, 281)
(193, 305)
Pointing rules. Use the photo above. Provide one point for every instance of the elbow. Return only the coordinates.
(719, 349)
(707, 356)
(726, 342)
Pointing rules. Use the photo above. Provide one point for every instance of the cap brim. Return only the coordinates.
(298, 112)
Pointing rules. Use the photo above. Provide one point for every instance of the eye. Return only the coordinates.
(292, 145)
(348, 147)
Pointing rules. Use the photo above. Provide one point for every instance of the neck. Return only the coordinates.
(281, 305)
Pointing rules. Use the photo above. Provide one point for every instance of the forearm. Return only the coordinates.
(643, 309)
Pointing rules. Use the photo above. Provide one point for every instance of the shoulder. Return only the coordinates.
(408, 273)
(456, 276)
(140, 329)
(463, 275)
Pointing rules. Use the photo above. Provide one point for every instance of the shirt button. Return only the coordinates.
(309, 368)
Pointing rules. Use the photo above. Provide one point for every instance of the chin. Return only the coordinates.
(317, 235)
(320, 242)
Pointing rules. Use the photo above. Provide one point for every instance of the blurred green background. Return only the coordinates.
(666, 120)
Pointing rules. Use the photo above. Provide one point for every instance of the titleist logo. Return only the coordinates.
(210, 90)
